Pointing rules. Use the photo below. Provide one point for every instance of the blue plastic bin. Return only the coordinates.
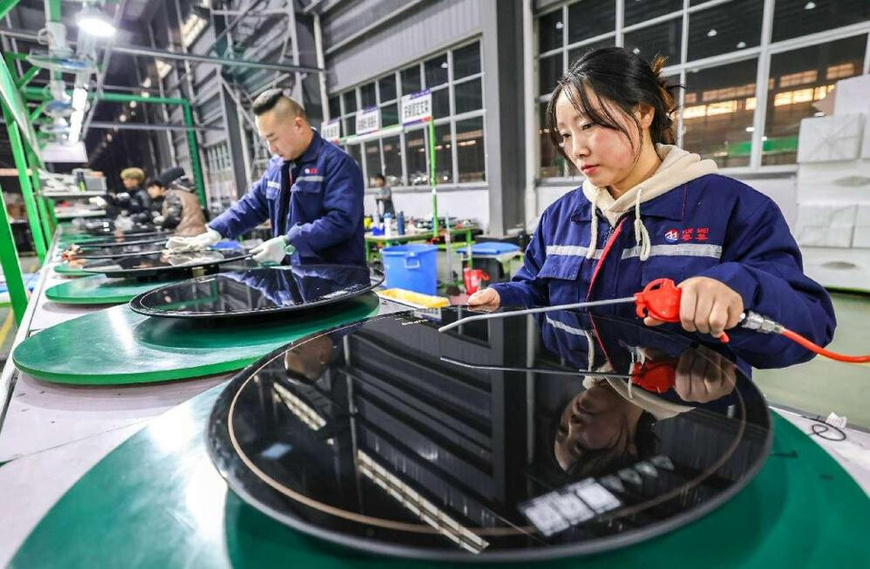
(411, 267)
(493, 248)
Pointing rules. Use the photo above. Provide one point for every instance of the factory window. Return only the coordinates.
(725, 29)
(794, 18)
(715, 49)
(800, 78)
(664, 39)
(719, 125)
(455, 80)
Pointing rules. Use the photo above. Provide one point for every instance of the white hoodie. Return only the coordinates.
(678, 167)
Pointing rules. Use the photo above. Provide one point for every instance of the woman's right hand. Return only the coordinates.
(486, 299)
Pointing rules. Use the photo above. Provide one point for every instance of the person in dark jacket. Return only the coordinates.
(649, 210)
(181, 211)
(312, 193)
(134, 184)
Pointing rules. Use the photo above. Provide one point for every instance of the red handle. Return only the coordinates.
(657, 376)
(660, 299)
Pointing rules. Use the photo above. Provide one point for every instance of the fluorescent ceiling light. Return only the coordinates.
(92, 21)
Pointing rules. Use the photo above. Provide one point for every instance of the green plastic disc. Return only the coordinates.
(117, 346)
(66, 270)
(158, 499)
(99, 289)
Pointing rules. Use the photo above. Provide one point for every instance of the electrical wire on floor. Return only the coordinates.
(820, 427)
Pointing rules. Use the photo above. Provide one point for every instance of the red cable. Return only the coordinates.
(795, 337)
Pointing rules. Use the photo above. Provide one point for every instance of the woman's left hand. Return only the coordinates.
(707, 306)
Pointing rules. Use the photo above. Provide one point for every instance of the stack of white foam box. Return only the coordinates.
(833, 192)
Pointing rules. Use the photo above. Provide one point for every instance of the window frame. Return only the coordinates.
(763, 52)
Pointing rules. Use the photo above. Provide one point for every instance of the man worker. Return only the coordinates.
(312, 193)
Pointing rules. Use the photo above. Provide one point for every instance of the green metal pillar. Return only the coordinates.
(18, 153)
(433, 177)
(11, 268)
(45, 207)
(194, 155)
(6, 6)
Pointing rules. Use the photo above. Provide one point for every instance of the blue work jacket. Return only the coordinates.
(712, 226)
(316, 201)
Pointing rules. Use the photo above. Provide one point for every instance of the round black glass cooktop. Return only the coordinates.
(158, 263)
(107, 227)
(258, 292)
(523, 438)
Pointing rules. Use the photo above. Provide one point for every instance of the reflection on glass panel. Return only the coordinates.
(349, 125)
(350, 102)
(415, 152)
(466, 61)
(793, 18)
(441, 103)
(411, 80)
(372, 150)
(469, 96)
(551, 31)
(334, 107)
(637, 12)
(552, 163)
(726, 28)
(387, 88)
(662, 39)
(355, 152)
(590, 18)
(390, 114)
(797, 79)
(436, 71)
(719, 110)
(550, 69)
(393, 161)
(367, 95)
(443, 154)
(469, 150)
(577, 52)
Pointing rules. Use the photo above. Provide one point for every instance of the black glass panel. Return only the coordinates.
(436, 71)
(107, 227)
(367, 95)
(663, 39)
(590, 18)
(349, 102)
(411, 80)
(258, 291)
(466, 61)
(551, 31)
(469, 96)
(113, 241)
(793, 18)
(725, 29)
(550, 69)
(487, 442)
(120, 250)
(637, 12)
(387, 88)
(156, 263)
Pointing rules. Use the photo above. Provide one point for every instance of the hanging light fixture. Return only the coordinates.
(94, 22)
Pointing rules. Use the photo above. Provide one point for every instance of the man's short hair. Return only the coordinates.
(380, 176)
(133, 174)
(267, 100)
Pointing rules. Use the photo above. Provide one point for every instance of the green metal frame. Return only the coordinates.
(19, 154)
(36, 94)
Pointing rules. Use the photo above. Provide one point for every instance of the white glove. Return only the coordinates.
(98, 201)
(195, 243)
(158, 220)
(273, 251)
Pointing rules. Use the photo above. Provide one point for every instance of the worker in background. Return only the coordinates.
(384, 197)
(134, 186)
(650, 210)
(312, 193)
(181, 211)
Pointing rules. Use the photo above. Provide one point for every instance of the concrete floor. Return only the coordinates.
(822, 386)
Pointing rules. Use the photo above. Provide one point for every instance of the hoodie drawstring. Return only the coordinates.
(641, 235)
(593, 238)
